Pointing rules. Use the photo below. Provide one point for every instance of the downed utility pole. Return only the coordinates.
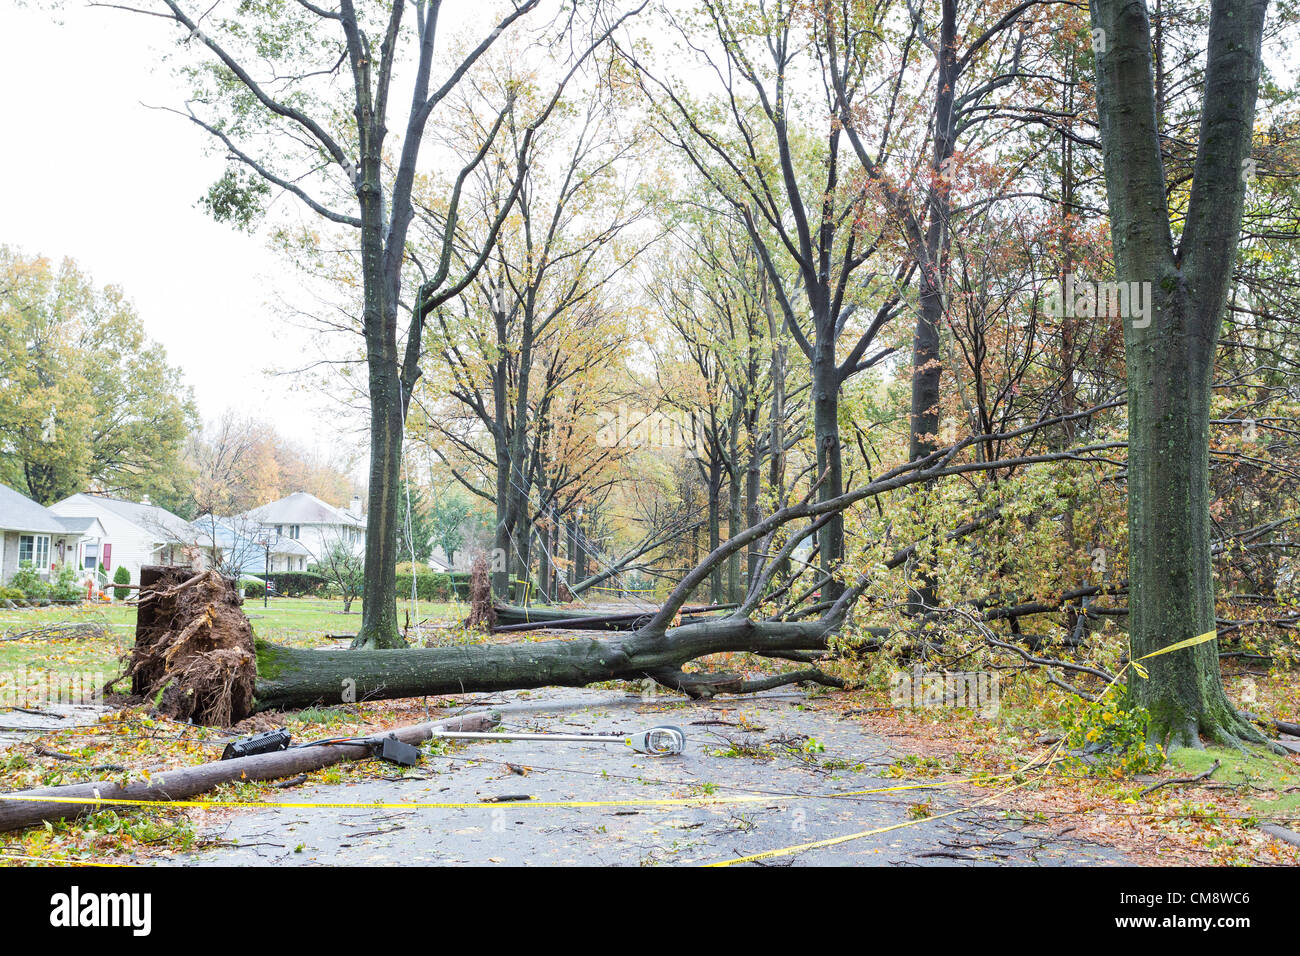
(22, 809)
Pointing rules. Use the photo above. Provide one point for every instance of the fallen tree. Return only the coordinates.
(203, 665)
(512, 618)
(300, 677)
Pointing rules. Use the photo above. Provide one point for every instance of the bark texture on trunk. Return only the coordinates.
(379, 589)
(300, 677)
(1170, 347)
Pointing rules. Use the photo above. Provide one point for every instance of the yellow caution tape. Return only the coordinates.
(663, 802)
(832, 841)
(1052, 758)
(553, 804)
(1190, 642)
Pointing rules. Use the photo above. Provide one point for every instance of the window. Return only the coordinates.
(279, 529)
(36, 549)
(293, 531)
(92, 557)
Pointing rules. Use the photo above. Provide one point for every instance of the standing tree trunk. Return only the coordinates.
(826, 380)
(753, 502)
(733, 503)
(303, 147)
(927, 367)
(379, 589)
(1170, 347)
(387, 405)
(714, 478)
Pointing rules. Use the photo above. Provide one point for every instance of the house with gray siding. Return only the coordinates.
(30, 532)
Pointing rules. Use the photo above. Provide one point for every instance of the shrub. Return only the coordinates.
(10, 594)
(121, 576)
(29, 581)
(298, 583)
(430, 585)
(252, 588)
(66, 587)
(1115, 737)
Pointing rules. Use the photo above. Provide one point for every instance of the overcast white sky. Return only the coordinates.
(89, 172)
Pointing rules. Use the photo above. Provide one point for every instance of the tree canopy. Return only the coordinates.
(87, 399)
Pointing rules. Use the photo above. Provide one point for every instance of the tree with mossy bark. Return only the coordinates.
(1170, 345)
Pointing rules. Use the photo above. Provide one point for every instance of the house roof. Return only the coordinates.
(20, 513)
(301, 508)
(236, 535)
(150, 517)
(290, 546)
(80, 526)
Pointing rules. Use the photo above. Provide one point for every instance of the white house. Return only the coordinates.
(238, 546)
(137, 533)
(30, 532)
(93, 542)
(314, 524)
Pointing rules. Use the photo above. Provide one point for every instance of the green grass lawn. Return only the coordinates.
(1270, 784)
(72, 655)
(302, 622)
(306, 621)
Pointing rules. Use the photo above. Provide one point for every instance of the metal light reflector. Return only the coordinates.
(656, 742)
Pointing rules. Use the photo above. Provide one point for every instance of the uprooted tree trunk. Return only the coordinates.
(193, 646)
(295, 677)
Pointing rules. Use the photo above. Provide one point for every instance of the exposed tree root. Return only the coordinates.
(1223, 725)
(194, 647)
(482, 614)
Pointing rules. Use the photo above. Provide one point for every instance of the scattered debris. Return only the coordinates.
(61, 630)
(28, 807)
(1181, 780)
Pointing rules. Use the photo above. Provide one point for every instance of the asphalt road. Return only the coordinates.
(781, 801)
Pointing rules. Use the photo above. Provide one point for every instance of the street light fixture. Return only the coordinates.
(265, 542)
